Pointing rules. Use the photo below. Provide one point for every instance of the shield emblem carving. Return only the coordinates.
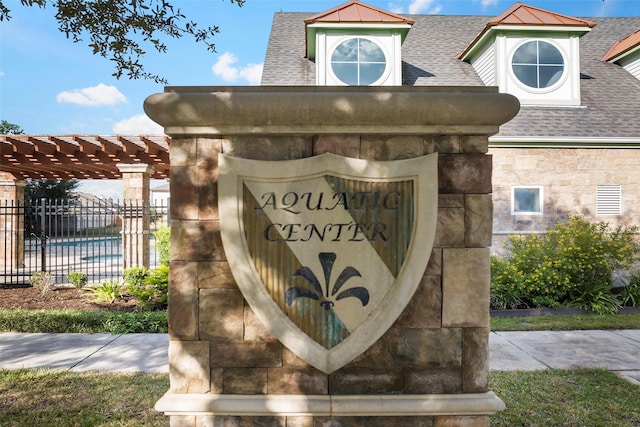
(328, 250)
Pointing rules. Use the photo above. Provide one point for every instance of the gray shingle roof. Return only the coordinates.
(610, 106)
(285, 64)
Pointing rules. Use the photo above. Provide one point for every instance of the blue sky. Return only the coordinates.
(49, 85)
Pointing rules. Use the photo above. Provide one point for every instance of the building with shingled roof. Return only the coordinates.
(574, 147)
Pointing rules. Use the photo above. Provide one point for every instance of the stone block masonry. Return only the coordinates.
(430, 368)
(569, 178)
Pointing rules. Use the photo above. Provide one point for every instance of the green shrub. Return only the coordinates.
(78, 279)
(135, 276)
(504, 295)
(108, 291)
(634, 278)
(159, 279)
(150, 290)
(137, 322)
(630, 293)
(42, 280)
(598, 298)
(570, 265)
(81, 321)
(163, 244)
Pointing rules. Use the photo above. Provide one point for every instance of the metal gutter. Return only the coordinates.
(563, 142)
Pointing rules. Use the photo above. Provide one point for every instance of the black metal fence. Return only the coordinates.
(82, 235)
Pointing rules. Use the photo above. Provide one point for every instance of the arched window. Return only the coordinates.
(358, 62)
(537, 64)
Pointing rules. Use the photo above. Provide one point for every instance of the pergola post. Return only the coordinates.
(135, 216)
(11, 222)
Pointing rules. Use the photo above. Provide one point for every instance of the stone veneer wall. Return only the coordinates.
(569, 177)
(12, 221)
(135, 224)
(439, 345)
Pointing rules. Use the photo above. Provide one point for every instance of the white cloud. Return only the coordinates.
(138, 125)
(96, 96)
(252, 73)
(1, 73)
(420, 6)
(395, 8)
(106, 189)
(225, 69)
(487, 3)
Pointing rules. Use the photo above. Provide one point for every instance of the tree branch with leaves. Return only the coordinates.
(118, 29)
(7, 128)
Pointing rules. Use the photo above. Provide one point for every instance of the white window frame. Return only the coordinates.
(388, 39)
(542, 90)
(608, 199)
(566, 92)
(388, 64)
(540, 189)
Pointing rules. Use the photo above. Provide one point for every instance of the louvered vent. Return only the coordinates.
(608, 200)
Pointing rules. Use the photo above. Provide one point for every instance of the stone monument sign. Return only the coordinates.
(329, 258)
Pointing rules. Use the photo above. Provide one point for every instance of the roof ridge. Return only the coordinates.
(356, 11)
(536, 14)
(520, 14)
(622, 46)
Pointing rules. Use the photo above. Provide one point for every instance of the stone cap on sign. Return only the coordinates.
(311, 110)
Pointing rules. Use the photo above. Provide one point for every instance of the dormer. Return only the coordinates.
(532, 54)
(356, 44)
(626, 53)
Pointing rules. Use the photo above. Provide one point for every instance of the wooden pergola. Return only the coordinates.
(81, 156)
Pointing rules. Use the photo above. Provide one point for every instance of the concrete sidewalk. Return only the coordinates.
(85, 352)
(617, 351)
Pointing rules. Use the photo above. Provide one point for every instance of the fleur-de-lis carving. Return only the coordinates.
(326, 297)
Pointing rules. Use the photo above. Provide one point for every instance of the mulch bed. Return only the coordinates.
(58, 298)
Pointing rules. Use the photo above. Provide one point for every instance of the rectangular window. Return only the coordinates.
(526, 200)
(608, 199)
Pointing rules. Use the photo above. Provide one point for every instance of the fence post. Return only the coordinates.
(43, 233)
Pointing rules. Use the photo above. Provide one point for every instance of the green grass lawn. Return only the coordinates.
(62, 398)
(75, 321)
(542, 398)
(566, 322)
(583, 398)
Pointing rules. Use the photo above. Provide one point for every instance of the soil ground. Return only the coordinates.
(59, 298)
